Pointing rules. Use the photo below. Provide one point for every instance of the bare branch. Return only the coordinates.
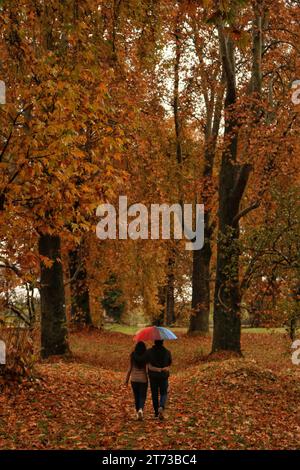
(246, 211)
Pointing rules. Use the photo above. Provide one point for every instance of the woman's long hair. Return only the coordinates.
(138, 356)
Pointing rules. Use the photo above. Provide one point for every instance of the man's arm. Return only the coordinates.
(155, 369)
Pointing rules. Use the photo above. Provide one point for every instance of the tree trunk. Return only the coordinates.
(227, 322)
(53, 309)
(80, 304)
(159, 321)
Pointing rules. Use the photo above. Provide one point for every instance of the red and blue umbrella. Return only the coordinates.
(152, 333)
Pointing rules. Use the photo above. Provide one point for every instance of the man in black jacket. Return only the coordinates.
(159, 357)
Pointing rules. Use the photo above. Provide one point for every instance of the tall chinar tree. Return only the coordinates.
(233, 178)
(51, 93)
(27, 193)
(52, 293)
(96, 136)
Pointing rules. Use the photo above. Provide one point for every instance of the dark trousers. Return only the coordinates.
(140, 394)
(159, 391)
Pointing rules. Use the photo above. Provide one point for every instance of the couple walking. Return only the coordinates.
(153, 363)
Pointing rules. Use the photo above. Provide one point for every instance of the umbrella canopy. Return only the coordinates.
(151, 333)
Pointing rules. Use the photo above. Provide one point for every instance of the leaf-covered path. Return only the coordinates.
(224, 404)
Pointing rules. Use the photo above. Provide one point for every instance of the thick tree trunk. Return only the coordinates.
(53, 309)
(227, 321)
(80, 302)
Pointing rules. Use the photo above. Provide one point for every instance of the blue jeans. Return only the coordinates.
(159, 391)
(140, 394)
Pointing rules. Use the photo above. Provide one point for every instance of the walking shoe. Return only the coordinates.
(161, 413)
(140, 415)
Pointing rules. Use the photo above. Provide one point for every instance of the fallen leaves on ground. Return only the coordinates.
(237, 403)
